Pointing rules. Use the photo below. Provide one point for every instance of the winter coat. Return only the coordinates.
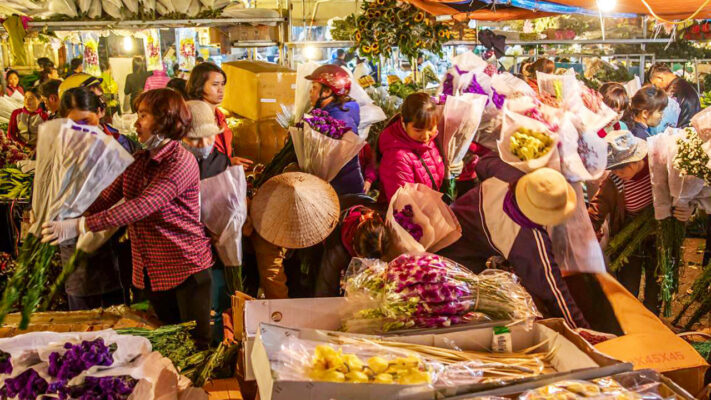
(406, 160)
(24, 125)
(223, 141)
(349, 179)
(158, 80)
(684, 94)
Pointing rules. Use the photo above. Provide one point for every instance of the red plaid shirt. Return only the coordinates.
(162, 211)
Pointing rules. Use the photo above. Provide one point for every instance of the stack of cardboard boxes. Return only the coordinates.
(255, 91)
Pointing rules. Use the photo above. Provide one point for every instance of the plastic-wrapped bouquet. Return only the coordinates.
(429, 291)
(323, 145)
(690, 158)
(322, 122)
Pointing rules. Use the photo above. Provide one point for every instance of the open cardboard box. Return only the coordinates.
(571, 360)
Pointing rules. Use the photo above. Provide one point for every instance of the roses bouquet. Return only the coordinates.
(323, 145)
(223, 210)
(429, 291)
(420, 220)
(74, 164)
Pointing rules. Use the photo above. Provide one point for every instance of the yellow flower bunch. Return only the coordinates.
(334, 366)
(527, 144)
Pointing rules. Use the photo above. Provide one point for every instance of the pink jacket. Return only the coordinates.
(158, 80)
(401, 163)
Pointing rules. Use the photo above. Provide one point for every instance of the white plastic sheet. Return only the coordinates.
(574, 243)
(439, 224)
(223, 210)
(551, 83)
(583, 155)
(321, 155)
(702, 123)
(508, 85)
(74, 164)
(633, 86)
(462, 115)
(112, 7)
(303, 86)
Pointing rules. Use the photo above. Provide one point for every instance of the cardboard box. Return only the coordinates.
(240, 33)
(258, 141)
(256, 90)
(568, 359)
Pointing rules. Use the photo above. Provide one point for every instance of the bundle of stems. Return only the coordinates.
(629, 239)
(281, 160)
(669, 242)
(699, 295)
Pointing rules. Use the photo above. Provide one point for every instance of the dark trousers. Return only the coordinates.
(630, 276)
(189, 301)
(77, 303)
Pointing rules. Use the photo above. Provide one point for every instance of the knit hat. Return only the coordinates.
(545, 197)
(295, 210)
(203, 124)
(624, 148)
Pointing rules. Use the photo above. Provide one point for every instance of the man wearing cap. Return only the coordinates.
(505, 219)
(200, 140)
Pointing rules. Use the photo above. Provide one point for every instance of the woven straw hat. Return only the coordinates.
(295, 210)
(545, 197)
(203, 124)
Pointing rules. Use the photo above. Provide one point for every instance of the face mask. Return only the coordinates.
(200, 153)
(153, 142)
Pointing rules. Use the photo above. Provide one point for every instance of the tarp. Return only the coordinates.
(500, 10)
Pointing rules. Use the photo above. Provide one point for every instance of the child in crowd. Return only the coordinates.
(614, 95)
(645, 110)
(13, 83)
(25, 121)
(409, 153)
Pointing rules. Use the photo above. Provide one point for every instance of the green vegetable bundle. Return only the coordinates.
(15, 184)
(626, 242)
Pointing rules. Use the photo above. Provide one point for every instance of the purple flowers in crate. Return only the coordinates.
(79, 358)
(405, 218)
(322, 122)
(26, 386)
(5, 363)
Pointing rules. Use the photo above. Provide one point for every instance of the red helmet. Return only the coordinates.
(334, 77)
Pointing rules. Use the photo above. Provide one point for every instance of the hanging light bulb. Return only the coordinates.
(606, 5)
(311, 52)
(128, 43)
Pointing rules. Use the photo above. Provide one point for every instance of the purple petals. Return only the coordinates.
(323, 123)
(475, 87)
(5, 363)
(79, 358)
(497, 99)
(26, 386)
(405, 218)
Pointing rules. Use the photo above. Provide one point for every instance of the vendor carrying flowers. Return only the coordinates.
(171, 253)
(624, 194)
(409, 153)
(499, 218)
(330, 87)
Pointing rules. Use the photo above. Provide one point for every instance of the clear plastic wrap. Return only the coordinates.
(429, 291)
(438, 224)
(510, 86)
(563, 87)
(462, 115)
(702, 123)
(223, 210)
(321, 155)
(513, 122)
(583, 155)
(303, 86)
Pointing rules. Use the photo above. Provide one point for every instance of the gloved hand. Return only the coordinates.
(57, 232)
(682, 213)
(456, 169)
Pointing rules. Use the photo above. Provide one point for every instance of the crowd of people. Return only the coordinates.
(184, 138)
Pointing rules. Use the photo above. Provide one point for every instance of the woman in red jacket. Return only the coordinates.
(409, 153)
(13, 83)
(24, 122)
(207, 83)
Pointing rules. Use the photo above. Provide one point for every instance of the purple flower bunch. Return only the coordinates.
(475, 87)
(448, 85)
(322, 122)
(5, 363)
(405, 218)
(93, 388)
(497, 99)
(79, 358)
(26, 386)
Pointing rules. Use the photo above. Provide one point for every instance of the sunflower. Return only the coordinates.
(419, 17)
(365, 49)
(375, 47)
(362, 21)
(358, 36)
(380, 2)
(442, 34)
(377, 14)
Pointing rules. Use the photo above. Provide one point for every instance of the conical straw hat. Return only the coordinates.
(295, 210)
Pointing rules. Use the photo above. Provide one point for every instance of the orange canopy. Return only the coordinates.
(500, 13)
(677, 9)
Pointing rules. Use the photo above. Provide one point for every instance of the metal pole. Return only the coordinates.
(696, 72)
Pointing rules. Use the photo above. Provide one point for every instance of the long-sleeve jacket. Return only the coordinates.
(684, 94)
(488, 231)
(349, 179)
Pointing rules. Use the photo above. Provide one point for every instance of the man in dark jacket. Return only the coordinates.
(661, 76)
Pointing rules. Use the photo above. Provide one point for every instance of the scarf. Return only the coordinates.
(511, 209)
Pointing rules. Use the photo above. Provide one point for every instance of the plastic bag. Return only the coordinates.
(438, 223)
(462, 115)
(633, 86)
(62, 7)
(194, 8)
(321, 155)
(583, 156)
(223, 210)
(95, 9)
(84, 5)
(131, 5)
(303, 86)
(575, 246)
(563, 87)
(702, 123)
(588, 119)
(112, 8)
(428, 291)
(512, 122)
(510, 86)
(74, 164)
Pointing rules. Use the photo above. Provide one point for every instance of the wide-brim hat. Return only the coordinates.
(545, 197)
(295, 210)
(623, 148)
